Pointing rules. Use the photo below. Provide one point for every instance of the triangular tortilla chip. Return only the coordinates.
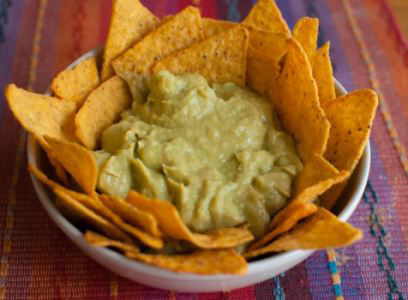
(101, 109)
(320, 231)
(173, 226)
(130, 21)
(76, 83)
(323, 74)
(77, 161)
(175, 34)
(40, 115)
(265, 15)
(98, 240)
(306, 31)
(351, 117)
(221, 58)
(213, 27)
(297, 103)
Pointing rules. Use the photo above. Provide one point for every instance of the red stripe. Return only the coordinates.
(209, 8)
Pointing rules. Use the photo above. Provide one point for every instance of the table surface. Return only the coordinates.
(37, 261)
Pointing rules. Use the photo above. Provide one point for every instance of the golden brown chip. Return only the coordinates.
(322, 230)
(98, 240)
(59, 170)
(76, 83)
(38, 114)
(265, 15)
(284, 221)
(132, 214)
(90, 217)
(172, 225)
(76, 160)
(297, 104)
(221, 58)
(130, 21)
(351, 117)
(213, 27)
(177, 33)
(101, 109)
(305, 32)
(323, 74)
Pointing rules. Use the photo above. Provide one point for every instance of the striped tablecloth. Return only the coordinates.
(40, 37)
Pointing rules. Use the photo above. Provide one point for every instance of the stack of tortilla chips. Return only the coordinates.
(260, 53)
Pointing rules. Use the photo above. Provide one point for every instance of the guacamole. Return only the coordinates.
(216, 152)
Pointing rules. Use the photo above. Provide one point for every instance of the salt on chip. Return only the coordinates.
(323, 74)
(130, 21)
(306, 31)
(76, 83)
(132, 214)
(351, 117)
(297, 104)
(221, 58)
(213, 27)
(177, 33)
(173, 226)
(76, 160)
(265, 15)
(89, 216)
(98, 240)
(40, 115)
(100, 110)
(322, 230)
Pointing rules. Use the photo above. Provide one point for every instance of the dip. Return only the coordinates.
(216, 152)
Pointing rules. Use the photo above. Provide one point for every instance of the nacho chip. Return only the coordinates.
(172, 225)
(98, 240)
(77, 161)
(298, 100)
(177, 33)
(130, 21)
(132, 214)
(284, 221)
(320, 231)
(305, 32)
(221, 58)
(90, 217)
(38, 114)
(351, 117)
(213, 27)
(101, 109)
(76, 83)
(59, 170)
(265, 15)
(323, 74)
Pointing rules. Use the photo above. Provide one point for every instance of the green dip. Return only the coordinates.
(216, 152)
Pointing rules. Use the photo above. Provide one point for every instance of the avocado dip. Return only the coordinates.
(216, 152)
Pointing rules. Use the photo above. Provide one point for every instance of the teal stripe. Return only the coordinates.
(332, 266)
(4, 5)
(278, 291)
(337, 290)
(233, 13)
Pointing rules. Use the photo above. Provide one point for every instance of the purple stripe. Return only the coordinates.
(318, 275)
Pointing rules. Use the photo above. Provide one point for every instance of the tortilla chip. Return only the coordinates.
(213, 27)
(306, 31)
(298, 100)
(320, 231)
(284, 221)
(38, 114)
(265, 53)
(90, 217)
(265, 15)
(77, 161)
(132, 214)
(76, 83)
(130, 21)
(351, 117)
(221, 58)
(173, 226)
(323, 74)
(59, 170)
(175, 34)
(101, 109)
(98, 240)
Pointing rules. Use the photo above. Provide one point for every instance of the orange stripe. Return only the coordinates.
(114, 287)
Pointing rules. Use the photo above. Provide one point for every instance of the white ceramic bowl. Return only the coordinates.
(258, 271)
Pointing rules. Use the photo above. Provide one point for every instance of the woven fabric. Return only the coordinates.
(41, 37)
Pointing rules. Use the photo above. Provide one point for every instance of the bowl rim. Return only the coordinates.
(260, 265)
